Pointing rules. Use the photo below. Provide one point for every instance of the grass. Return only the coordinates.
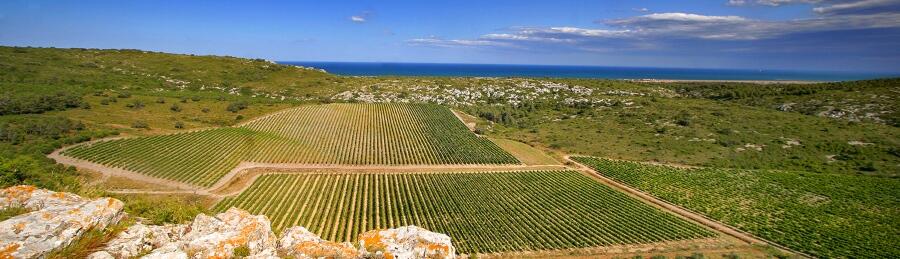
(717, 135)
(525, 153)
(159, 116)
(10, 212)
(826, 215)
(91, 241)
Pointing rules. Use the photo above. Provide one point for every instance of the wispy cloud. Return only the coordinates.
(361, 18)
(830, 6)
(435, 41)
(660, 29)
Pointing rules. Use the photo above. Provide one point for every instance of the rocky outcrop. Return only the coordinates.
(222, 236)
(300, 243)
(236, 232)
(55, 220)
(225, 234)
(140, 238)
(405, 242)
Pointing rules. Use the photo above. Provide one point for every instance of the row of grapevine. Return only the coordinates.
(374, 134)
(199, 158)
(482, 212)
(825, 215)
(370, 134)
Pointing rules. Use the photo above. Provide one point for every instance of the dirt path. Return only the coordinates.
(470, 125)
(696, 217)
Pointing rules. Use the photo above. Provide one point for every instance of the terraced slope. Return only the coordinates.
(825, 215)
(482, 212)
(355, 134)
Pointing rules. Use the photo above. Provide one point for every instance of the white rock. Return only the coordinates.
(300, 243)
(59, 219)
(101, 255)
(406, 242)
(168, 251)
(218, 236)
(140, 238)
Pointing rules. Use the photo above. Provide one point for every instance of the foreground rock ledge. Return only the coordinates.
(57, 219)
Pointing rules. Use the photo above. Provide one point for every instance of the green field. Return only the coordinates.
(826, 215)
(357, 134)
(482, 212)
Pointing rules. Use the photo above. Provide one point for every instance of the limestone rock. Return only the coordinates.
(300, 243)
(33, 198)
(140, 238)
(405, 242)
(217, 237)
(57, 220)
(169, 251)
(212, 237)
(101, 255)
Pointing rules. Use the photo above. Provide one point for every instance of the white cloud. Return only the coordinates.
(657, 29)
(830, 7)
(772, 2)
(872, 5)
(687, 17)
(358, 19)
(433, 41)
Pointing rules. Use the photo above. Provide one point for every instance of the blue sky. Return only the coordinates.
(847, 35)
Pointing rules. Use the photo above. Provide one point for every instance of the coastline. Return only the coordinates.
(762, 82)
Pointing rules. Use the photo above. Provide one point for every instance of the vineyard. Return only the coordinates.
(482, 212)
(825, 215)
(357, 134)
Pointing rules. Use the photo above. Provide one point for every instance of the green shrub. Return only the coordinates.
(237, 106)
(136, 104)
(140, 125)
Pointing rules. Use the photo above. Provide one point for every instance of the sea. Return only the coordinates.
(606, 72)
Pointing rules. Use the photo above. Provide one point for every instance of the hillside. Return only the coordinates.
(190, 120)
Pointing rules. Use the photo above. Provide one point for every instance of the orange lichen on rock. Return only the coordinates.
(406, 242)
(6, 252)
(371, 240)
(18, 193)
(19, 227)
(58, 195)
(326, 249)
